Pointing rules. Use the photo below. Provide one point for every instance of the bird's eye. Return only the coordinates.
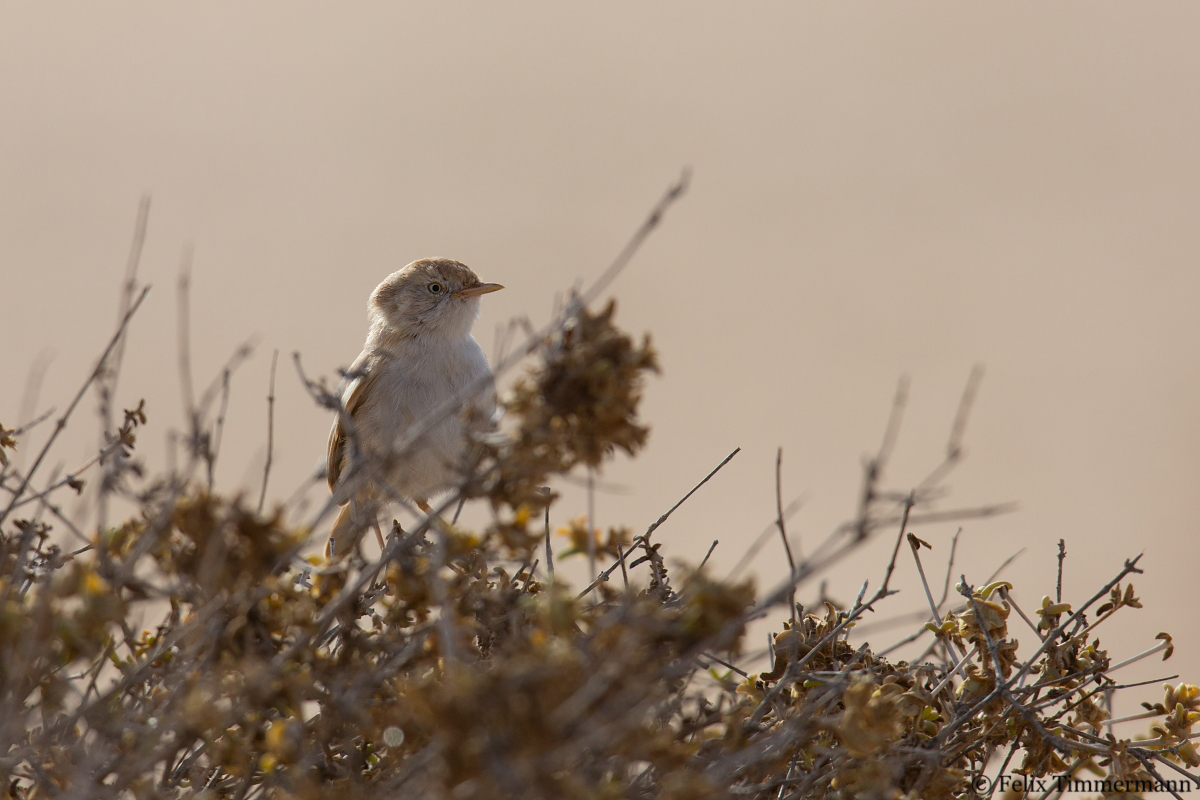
(435, 288)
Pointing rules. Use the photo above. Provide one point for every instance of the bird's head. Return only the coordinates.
(433, 296)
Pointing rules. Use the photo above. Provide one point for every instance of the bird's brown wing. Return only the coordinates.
(352, 397)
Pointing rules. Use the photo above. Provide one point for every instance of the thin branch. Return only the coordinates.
(107, 384)
(1004, 565)
(787, 548)
(954, 446)
(62, 421)
(621, 561)
(792, 507)
(110, 449)
(954, 450)
(183, 335)
(591, 523)
(623, 258)
(892, 431)
(25, 418)
(949, 568)
(891, 567)
(33, 423)
(549, 551)
(445, 624)
(915, 546)
(645, 537)
(695, 488)
(218, 428)
(262, 495)
(1062, 555)
(1008, 596)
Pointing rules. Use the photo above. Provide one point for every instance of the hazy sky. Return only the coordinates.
(878, 190)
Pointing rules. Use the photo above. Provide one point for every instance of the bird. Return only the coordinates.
(419, 354)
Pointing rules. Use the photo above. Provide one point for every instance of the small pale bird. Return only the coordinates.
(418, 355)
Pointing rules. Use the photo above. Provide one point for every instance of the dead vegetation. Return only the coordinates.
(454, 665)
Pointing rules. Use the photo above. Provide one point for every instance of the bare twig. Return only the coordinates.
(183, 334)
(218, 428)
(954, 449)
(621, 561)
(21, 430)
(675, 192)
(787, 548)
(645, 537)
(695, 488)
(26, 420)
(891, 567)
(1008, 596)
(591, 524)
(763, 537)
(892, 431)
(549, 551)
(915, 546)
(62, 421)
(262, 495)
(107, 382)
(1004, 564)
(1062, 555)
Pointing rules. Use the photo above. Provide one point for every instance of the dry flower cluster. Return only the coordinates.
(455, 666)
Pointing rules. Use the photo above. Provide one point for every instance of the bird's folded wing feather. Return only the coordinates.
(360, 377)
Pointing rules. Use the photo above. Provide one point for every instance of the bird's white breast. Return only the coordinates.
(412, 383)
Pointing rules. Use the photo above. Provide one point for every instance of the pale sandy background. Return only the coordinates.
(879, 190)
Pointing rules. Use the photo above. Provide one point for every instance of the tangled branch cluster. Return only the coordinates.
(192, 651)
(451, 667)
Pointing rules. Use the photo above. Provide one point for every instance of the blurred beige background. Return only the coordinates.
(879, 190)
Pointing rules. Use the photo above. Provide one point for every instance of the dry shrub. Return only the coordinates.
(452, 666)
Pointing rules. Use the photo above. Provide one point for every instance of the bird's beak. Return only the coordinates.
(478, 289)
